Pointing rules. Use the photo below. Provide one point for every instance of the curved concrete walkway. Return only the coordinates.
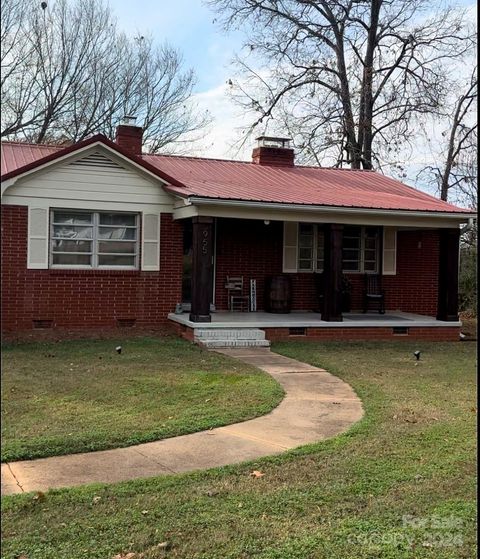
(317, 405)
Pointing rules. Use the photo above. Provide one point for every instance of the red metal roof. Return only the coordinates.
(235, 180)
(16, 155)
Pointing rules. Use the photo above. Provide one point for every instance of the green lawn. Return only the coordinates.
(75, 396)
(400, 484)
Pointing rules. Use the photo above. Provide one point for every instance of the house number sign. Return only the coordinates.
(205, 241)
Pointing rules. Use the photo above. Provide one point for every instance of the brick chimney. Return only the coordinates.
(273, 151)
(129, 136)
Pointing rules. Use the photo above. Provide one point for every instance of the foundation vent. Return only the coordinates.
(400, 331)
(42, 324)
(126, 322)
(297, 331)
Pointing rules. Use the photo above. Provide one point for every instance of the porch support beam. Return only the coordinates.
(332, 300)
(202, 269)
(447, 308)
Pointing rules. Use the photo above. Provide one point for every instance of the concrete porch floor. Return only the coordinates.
(262, 319)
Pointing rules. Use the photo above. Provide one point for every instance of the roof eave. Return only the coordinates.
(200, 200)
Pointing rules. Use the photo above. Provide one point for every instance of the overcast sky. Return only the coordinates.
(189, 26)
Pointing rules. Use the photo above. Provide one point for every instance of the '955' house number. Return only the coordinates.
(205, 241)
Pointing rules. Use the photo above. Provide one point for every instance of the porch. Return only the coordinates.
(236, 329)
(259, 319)
(417, 267)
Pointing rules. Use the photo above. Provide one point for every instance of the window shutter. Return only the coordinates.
(150, 242)
(37, 253)
(389, 251)
(290, 246)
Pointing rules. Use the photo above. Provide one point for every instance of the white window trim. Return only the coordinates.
(314, 268)
(95, 240)
(362, 253)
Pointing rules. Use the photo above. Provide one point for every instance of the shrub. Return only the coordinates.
(467, 289)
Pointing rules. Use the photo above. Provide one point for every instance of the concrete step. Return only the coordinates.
(232, 343)
(229, 333)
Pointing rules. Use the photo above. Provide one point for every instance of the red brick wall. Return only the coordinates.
(252, 249)
(434, 334)
(86, 299)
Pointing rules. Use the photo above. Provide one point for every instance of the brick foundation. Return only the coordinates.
(436, 334)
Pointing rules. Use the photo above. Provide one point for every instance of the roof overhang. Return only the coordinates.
(243, 209)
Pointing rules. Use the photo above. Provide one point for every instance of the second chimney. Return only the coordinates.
(129, 136)
(273, 151)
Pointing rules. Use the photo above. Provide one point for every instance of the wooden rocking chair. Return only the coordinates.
(373, 292)
(237, 301)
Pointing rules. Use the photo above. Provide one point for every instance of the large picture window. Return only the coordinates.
(81, 239)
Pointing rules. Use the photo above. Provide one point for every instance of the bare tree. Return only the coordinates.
(68, 72)
(460, 162)
(453, 173)
(349, 79)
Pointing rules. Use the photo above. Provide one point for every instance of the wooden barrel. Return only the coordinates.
(278, 296)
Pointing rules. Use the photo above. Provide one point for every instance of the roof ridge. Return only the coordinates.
(33, 144)
(252, 163)
(197, 157)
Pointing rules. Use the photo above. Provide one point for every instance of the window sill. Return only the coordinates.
(94, 271)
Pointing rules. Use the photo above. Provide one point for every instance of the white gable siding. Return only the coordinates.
(96, 180)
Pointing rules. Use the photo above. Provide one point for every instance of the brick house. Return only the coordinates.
(99, 236)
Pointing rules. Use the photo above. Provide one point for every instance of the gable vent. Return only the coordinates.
(96, 160)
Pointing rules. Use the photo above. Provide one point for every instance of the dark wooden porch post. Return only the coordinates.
(447, 308)
(202, 269)
(332, 301)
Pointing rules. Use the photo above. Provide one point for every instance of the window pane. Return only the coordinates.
(117, 233)
(350, 266)
(305, 253)
(370, 255)
(352, 231)
(71, 259)
(72, 232)
(304, 264)
(370, 243)
(117, 219)
(72, 218)
(320, 239)
(112, 246)
(320, 265)
(305, 241)
(115, 260)
(349, 242)
(72, 246)
(305, 229)
(351, 255)
(370, 266)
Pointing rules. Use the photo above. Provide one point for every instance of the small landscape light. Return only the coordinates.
(118, 349)
(417, 355)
